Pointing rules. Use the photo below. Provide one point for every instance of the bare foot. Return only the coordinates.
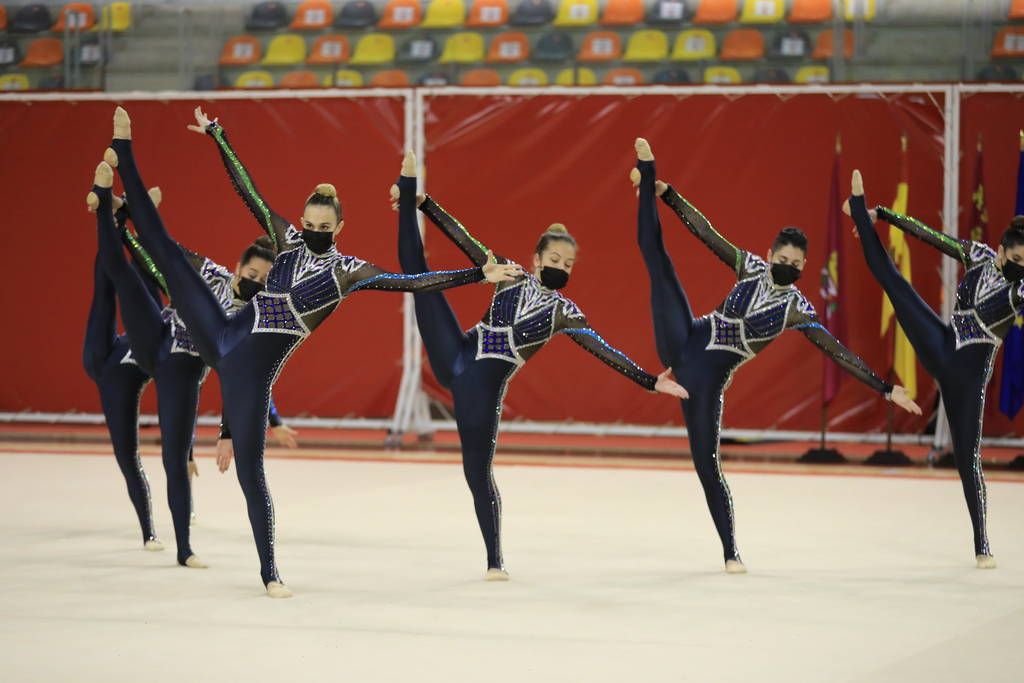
(409, 164)
(122, 125)
(643, 150)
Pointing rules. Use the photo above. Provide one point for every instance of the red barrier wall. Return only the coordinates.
(510, 166)
(50, 149)
(507, 167)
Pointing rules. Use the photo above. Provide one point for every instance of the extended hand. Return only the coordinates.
(225, 452)
(502, 272)
(285, 436)
(900, 397)
(665, 385)
(202, 121)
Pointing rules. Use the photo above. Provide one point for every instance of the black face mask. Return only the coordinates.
(248, 288)
(1014, 272)
(318, 242)
(784, 274)
(553, 278)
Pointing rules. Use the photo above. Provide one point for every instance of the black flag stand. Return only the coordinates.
(822, 455)
(889, 457)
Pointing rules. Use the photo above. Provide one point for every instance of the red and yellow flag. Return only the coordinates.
(904, 362)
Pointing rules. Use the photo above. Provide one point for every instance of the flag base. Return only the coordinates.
(823, 456)
(945, 461)
(1017, 463)
(889, 459)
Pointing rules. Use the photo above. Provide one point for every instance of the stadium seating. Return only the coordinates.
(824, 46)
(762, 11)
(671, 76)
(666, 13)
(480, 78)
(115, 17)
(647, 46)
(79, 16)
(556, 46)
(391, 78)
(623, 76)
(401, 14)
(347, 78)
(488, 14)
(241, 51)
(445, 14)
(576, 13)
(9, 82)
(792, 43)
(580, 76)
(267, 16)
(10, 53)
(299, 80)
(286, 49)
(812, 74)
(622, 13)
(466, 47)
(810, 11)
(715, 12)
(858, 9)
(418, 50)
(329, 49)
(1016, 10)
(532, 13)
(374, 48)
(509, 48)
(742, 44)
(254, 79)
(600, 46)
(43, 52)
(1009, 42)
(528, 77)
(31, 19)
(722, 75)
(356, 14)
(693, 45)
(312, 15)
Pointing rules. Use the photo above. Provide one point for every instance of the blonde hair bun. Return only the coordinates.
(558, 228)
(326, 189)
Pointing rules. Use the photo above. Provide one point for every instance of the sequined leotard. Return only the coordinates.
(249, 349)
(478, 364)
(705, 352)
(959, 355)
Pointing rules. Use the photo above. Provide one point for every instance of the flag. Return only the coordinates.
(904, 362)
(1011, 384)
(979, 214)
(834, 319)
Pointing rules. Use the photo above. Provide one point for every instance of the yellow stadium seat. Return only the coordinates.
(576, 13)
(762, 11)
(445, 14)
(285, 50)
(374, 48)
(694, 44)
(582, 76)
(254, 79)
(13, 82)
(463, 48)
(722, 75)
(347, 78)
(646, 46)
(812, 74)
(528, 77)
(116, 17)
(859, 9)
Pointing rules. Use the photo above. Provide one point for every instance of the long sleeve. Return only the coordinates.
(849, 361)
(143, 261)
(275, 226)
(581, 333)
(949, 246)
(456, 232)
(369, 276)
(696, 223)
(273, 416)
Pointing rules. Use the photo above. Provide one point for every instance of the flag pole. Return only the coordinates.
(822, 454)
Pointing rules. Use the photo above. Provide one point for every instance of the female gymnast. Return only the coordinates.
(477, 365)
(705, 352)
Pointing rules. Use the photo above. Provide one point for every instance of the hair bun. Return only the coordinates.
(558, 228)
(263, 241)
(326, 190)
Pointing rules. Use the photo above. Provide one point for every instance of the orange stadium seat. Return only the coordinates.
(401, 14)
(481, 78)
(488, 14)
(716, 12)
(824, 45)
(742, 44)
(312, 15)
(509, 48)
(391, 78)
(329, 49)
(624, 76)
(810, 11)
(1009, 42)
(1016, 10)
(3, 18)
(241, 51)
(76, 16)
(600, 46)
(300, 80)
(623, 13)
(43, 52)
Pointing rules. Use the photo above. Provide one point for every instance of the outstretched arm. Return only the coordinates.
(950, 246)
(696, 223)
(478, 253)
(369, 276)
(272, 223)
(580, 332)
